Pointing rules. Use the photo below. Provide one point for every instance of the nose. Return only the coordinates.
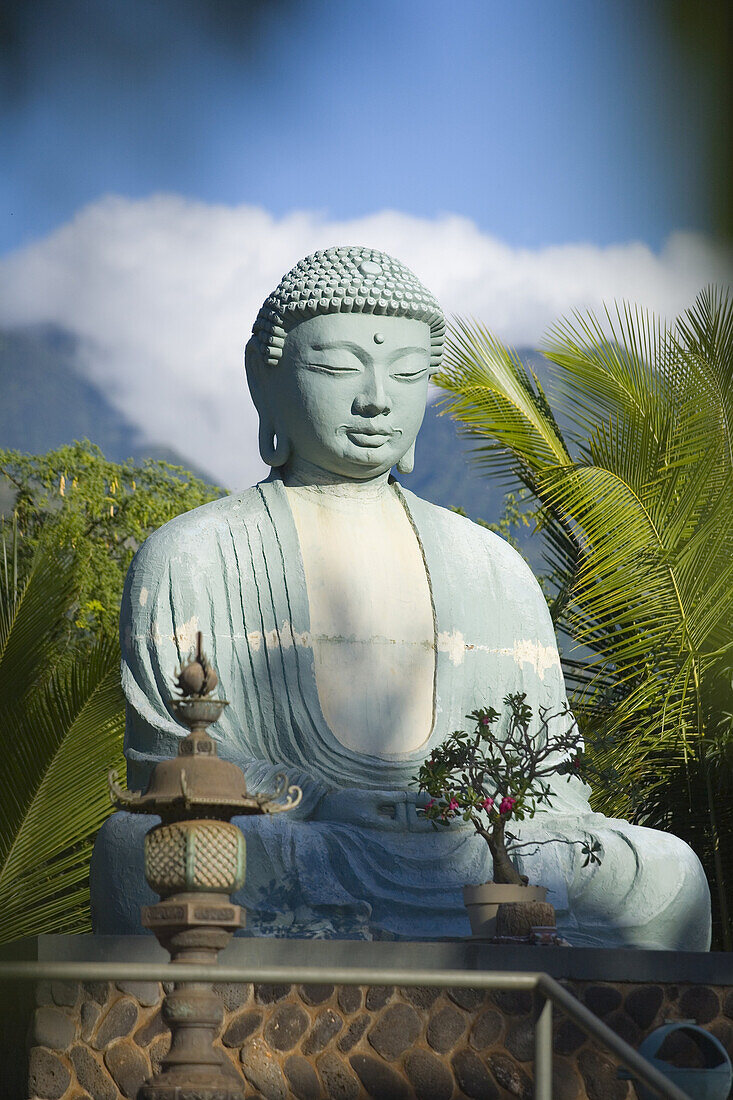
(372, 400)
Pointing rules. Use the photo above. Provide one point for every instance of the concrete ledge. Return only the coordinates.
(575, 963)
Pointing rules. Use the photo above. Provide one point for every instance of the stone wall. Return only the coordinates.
(101, 1040)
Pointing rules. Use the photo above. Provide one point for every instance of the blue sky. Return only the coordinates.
(165, 161)
(543, 121)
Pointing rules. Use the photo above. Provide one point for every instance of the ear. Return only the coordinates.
(254, 367)
(407, 463)
(274, 445)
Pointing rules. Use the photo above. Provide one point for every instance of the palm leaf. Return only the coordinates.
(610, 365)
(638, 530)
(33, 621)
(706, 335)
(53, 796)
(61, 719)
(494, 396)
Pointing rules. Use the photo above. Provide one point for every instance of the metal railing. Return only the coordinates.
(551, 992)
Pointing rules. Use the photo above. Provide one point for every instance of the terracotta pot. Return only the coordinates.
(483, 903)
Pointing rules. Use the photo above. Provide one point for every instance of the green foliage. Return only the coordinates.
(100, 510)
(488, 779)
(635, 504)
(61, 717)
(77, 522)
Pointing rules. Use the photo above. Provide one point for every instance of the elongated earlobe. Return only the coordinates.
(407, 463)
(274, 446)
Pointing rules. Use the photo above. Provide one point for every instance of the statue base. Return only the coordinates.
(362, 1038)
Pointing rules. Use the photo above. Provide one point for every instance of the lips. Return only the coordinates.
(368, 437)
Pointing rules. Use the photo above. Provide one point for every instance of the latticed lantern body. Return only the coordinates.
(195, 856)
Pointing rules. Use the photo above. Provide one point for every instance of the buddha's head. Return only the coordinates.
(339, 362)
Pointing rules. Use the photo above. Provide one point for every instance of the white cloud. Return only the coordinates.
(163, 293)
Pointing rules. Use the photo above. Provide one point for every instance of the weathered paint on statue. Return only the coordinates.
(354, 625)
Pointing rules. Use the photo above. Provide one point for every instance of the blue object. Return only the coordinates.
(683, 1040)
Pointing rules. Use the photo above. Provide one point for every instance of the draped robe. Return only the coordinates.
(355, 859)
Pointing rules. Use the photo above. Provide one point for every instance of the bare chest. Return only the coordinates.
(371, 620)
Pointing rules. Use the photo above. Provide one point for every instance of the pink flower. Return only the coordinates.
(485, 722)
(507, 804)
(453, 805)
(430, 803)
(487, 804)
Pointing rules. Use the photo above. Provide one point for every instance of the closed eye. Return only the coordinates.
(327, 368)
(410, 376)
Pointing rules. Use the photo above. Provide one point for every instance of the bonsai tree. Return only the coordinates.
(490, 779)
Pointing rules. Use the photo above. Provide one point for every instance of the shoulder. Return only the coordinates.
(469, 539)
(483, 567)
(196, 533)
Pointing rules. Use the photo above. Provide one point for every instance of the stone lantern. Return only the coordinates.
(194, 860)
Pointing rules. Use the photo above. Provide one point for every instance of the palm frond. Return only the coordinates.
(61, 720)
(53, 795)
(494, 396)
(610, 367)
(637, 526)
(33, 622)
(706, 336)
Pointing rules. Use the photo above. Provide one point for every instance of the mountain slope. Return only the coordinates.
(47, 403)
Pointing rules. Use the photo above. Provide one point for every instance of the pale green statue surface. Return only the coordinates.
(353, 626)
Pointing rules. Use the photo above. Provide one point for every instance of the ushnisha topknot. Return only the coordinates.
(346, 280)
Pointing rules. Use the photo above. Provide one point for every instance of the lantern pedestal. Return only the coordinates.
(193, 928)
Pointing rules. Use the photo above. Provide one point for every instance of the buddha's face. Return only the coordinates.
(350, 391)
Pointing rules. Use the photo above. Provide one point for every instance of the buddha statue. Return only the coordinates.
(353, 626)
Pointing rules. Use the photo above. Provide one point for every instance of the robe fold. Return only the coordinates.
(355, 859)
